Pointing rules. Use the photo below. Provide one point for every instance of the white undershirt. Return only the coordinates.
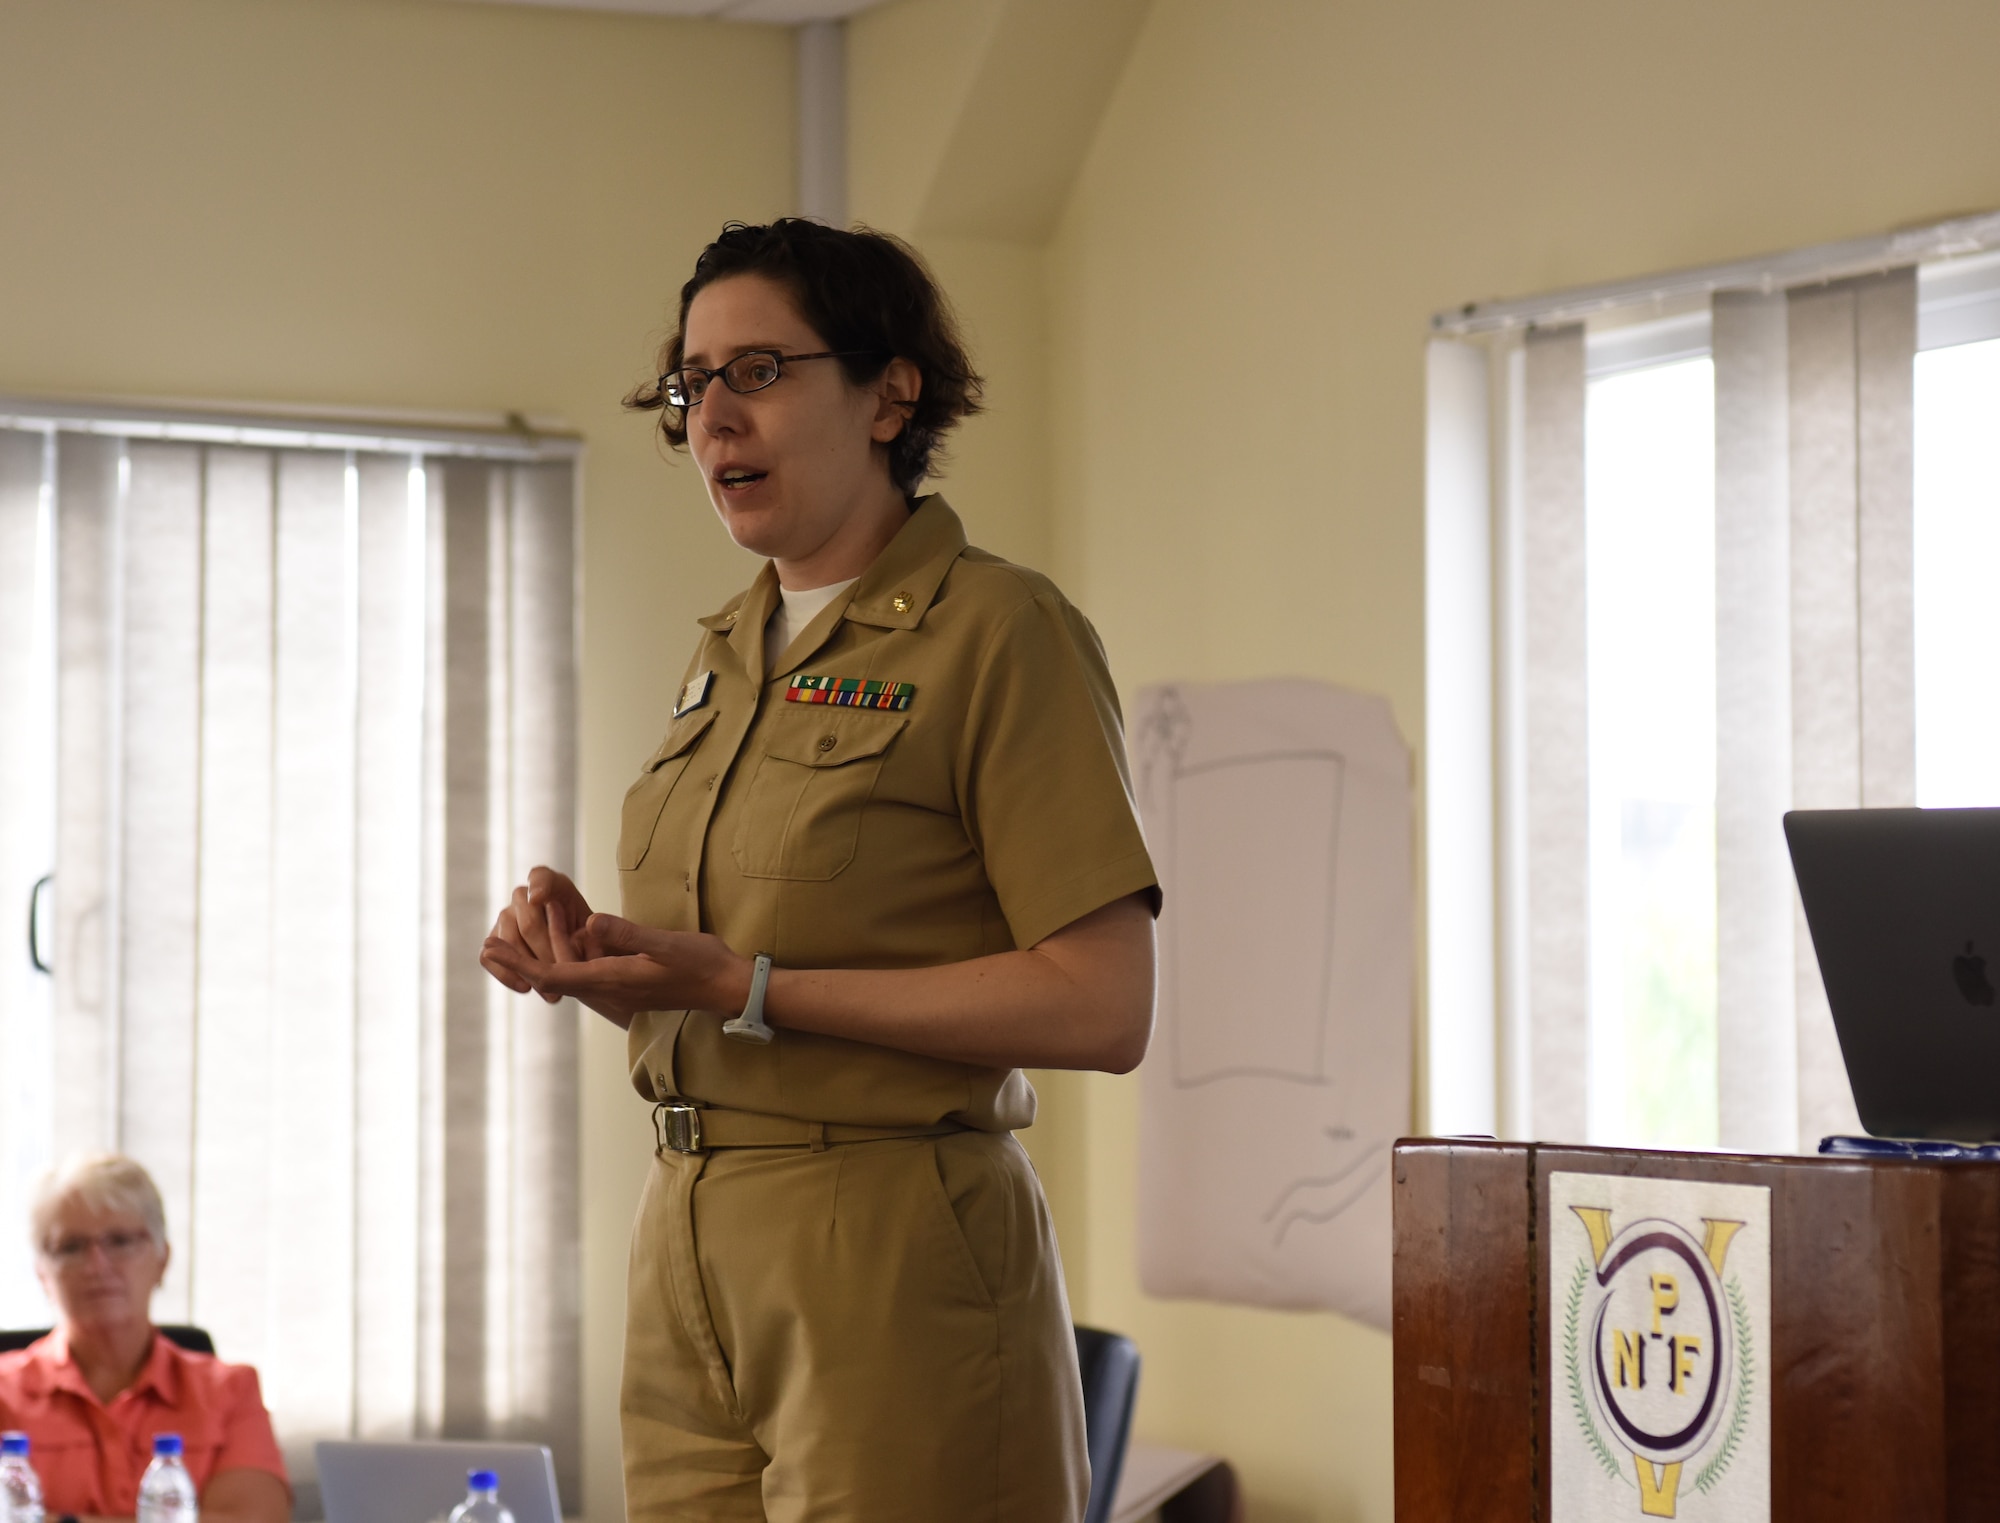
(794, 612)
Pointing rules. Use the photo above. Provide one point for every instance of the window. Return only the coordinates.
(27, 860)
(1957, 551)
(1649, 491)
(1700, 549)
(286, 711)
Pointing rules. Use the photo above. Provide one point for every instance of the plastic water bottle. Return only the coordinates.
(20, 1490)
(166, 1490)
(482, 1500)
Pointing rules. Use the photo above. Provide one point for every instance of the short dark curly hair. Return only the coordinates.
(868, 295)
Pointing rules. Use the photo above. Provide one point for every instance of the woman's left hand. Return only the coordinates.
(619, 968)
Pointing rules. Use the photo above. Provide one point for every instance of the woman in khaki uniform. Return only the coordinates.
(885, 858)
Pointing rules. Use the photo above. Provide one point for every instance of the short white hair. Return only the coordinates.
(104, 1182)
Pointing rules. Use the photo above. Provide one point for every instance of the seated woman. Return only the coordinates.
(94, 1392)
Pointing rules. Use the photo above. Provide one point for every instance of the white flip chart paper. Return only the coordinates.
(1278, 813)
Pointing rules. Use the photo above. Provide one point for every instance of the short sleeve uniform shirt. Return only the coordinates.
(934, 771)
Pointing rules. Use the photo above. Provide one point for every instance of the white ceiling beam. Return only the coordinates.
(822, 117)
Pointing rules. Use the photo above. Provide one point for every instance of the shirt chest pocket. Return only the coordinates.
(646, 800)
(802, 816)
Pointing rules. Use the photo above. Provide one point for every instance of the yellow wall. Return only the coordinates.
(424, 206)
(1276, 198)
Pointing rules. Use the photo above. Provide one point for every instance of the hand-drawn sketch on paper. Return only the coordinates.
(1279, 817)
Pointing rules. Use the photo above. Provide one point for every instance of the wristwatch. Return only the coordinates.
(749, 1026)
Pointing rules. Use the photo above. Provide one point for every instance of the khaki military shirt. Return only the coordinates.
(934, 771)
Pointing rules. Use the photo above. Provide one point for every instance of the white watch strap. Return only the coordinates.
(749, 1026)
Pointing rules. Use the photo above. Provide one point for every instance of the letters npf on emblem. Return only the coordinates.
(1659, 1339)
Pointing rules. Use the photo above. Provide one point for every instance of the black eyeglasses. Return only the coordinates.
(752, 370)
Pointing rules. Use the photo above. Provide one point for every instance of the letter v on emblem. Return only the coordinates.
(1716, 1239)
(1597, 1222)
(1657, 1491)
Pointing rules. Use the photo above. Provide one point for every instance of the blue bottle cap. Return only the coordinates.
(483, 1480)
(13, 1442)
(167, 1445)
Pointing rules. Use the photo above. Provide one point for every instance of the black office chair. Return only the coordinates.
(1109, 1364)
(193, 1339)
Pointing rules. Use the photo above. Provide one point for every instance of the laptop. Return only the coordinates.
(1904, 908)
(362, 1482)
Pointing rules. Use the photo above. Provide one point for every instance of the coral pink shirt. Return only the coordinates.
(90, 1454)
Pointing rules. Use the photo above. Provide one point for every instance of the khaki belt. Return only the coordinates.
(684, 1128)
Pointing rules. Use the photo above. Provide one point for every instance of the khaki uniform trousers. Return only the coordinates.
(874, 1332)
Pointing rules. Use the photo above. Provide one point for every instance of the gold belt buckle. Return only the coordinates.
(678, 1126)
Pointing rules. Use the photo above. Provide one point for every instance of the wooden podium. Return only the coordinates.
(1883, 1367)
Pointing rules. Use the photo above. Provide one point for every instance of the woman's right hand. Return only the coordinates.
(539, 920)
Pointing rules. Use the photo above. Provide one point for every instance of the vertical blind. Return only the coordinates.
(27, 843)
(1815, 684)
(1755, 972)
(1852, 352)
(1816, 658)
(313, 717)
(1556, 715)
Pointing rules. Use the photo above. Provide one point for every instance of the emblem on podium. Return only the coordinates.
(1659, 1330)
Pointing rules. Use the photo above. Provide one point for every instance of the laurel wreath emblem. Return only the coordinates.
(1746, 1377)
(1576, 1397)
(1739, 1412)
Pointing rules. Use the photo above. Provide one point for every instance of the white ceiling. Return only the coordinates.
(787, 12)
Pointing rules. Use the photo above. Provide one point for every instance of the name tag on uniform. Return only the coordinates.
(694, 695)
(851, 693)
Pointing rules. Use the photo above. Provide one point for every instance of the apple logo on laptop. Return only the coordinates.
(1970, 972)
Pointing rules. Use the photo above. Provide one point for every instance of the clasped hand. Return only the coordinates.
(547, 941)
